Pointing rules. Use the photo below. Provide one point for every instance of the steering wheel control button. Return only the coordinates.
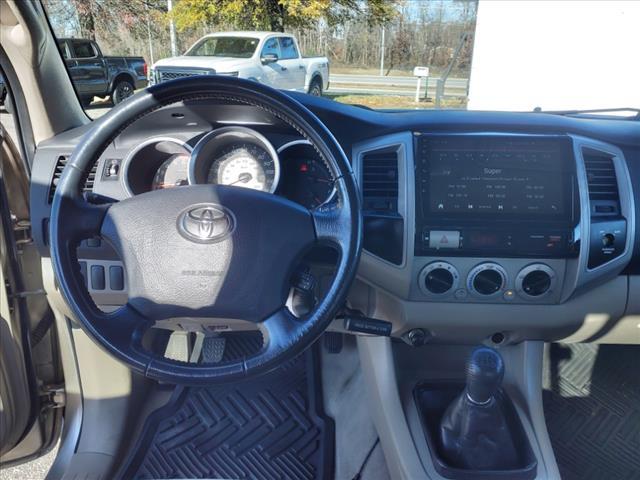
(116, 277)
(97, 277)
(487, 279)
(93, 242)
(83, 272)
(438, 278)
(535, 281)
(206, 223)
(444, 239)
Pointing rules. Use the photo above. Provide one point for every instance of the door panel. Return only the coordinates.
(87, 68)
(30, 416)
(274, 73)
(15, 398)
(15, 389)
(291, 60)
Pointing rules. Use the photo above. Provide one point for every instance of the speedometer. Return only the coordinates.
(235, 156)
(244, 164)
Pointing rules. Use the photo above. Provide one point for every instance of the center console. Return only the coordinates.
(493, 217)
(485, 196)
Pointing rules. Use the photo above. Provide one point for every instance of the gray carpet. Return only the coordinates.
(592, 409)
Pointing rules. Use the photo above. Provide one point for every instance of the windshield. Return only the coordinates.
(380, 54)
(236, 47)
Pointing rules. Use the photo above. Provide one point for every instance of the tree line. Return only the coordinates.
(348, 32)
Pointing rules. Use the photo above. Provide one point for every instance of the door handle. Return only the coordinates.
(283, 68)
(301, 67)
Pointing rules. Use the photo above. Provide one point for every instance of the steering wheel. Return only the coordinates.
(205, 252)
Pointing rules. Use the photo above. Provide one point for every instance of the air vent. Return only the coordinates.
(380, 181)
(601, 177)
(57, 173)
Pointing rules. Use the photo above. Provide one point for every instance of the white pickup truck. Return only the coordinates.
(267, 57)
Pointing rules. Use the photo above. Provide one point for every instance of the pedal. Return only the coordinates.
(213, 349)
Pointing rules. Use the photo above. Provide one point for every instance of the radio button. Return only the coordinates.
(444, 239)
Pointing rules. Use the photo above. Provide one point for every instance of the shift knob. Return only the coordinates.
(485, 370)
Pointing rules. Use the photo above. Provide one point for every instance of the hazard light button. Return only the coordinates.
(444, 239)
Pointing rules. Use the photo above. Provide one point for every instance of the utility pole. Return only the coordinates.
(149, 36)
(382, 53)
(172, 30)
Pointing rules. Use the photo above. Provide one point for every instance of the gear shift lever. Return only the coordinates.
(485, 370)
(474, 431)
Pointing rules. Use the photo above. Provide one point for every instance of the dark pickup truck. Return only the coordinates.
(95, 75)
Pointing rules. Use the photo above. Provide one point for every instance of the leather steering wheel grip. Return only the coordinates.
(288, 228)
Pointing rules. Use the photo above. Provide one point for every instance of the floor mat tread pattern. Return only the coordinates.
(592, 410)
(265, 428)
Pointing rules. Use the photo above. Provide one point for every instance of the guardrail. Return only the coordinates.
(392, 85)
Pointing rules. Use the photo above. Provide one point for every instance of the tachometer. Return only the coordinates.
(172, 173)
(159, 162)
(244, 164)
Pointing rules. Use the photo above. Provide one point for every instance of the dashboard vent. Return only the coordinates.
(604, 198)
(601, 177)
(380, 181)
(57, 173)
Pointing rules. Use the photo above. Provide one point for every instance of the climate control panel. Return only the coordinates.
(505, 281)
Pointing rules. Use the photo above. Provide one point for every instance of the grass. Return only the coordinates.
(398, 101)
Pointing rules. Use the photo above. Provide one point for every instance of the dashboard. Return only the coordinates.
(476, 224)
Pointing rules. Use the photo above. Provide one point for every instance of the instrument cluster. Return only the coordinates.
(234, 156)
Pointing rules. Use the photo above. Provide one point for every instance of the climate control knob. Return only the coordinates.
(487, 279)
(535, 281)
(438, 278)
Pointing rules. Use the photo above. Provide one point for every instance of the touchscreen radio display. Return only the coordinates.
(501, 176)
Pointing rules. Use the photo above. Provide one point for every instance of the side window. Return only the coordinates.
(271, 47)
(62, 46)
(288, 48)
(83, 49)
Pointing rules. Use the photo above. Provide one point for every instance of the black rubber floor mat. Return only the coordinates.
(270, 427)
(592, 410)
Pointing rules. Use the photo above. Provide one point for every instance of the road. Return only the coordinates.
(392, 85)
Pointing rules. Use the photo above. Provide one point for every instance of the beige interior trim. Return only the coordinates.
(49, 95)
(376, 360)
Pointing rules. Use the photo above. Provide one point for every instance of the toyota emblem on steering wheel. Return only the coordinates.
(206, 223)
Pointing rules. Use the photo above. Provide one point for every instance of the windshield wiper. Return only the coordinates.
(634, 111)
